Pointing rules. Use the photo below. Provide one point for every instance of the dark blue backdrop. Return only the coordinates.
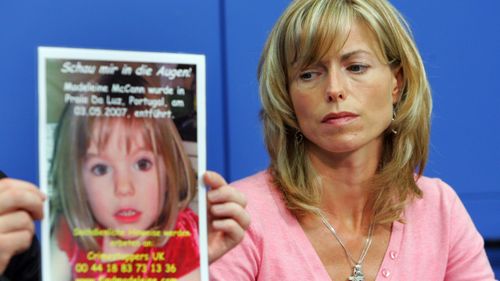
(459, 41)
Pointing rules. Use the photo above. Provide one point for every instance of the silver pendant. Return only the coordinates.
(357, 273)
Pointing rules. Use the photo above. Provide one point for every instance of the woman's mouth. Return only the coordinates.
(339, 118)
(127, 215)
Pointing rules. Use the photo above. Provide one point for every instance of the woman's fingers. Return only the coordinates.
(12, 243)
(213, 179)
(233, 211)
(16, 221)
(21, 195)
(228, 218)
(233, 231)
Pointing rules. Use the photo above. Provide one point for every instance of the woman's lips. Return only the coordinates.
(127, 215)
(339, 118)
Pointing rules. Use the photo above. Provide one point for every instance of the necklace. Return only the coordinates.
(357, 270)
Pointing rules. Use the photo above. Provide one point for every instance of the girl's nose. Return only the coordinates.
(123, 184)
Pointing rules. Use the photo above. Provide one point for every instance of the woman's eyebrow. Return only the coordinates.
(350, 54)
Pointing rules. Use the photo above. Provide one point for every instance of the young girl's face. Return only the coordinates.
(124, 179)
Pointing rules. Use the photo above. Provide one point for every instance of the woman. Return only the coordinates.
(346, 113)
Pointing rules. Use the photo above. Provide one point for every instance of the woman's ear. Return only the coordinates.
(398, 77)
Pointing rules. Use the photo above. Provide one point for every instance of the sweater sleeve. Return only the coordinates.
(467, 260)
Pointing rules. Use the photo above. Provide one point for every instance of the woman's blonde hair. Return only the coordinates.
(305, 32)
(73, 137)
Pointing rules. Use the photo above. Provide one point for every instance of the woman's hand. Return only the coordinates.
(227, 217)
(20, 204)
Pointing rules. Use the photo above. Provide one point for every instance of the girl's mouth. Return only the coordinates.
(127, 215)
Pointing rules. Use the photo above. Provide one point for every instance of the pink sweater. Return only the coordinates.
(437, 242)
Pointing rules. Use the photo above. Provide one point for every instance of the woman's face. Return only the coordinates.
(344, 103)
(124, 185)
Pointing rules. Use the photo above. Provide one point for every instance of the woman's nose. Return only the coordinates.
(335, 89)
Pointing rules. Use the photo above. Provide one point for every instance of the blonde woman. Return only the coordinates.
(346, 114)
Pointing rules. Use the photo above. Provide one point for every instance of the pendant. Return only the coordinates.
(357, 273)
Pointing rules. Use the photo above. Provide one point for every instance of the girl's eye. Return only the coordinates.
(143, 164)
(357, 68)
(99, 169)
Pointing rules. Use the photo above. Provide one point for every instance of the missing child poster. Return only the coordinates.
(122, 151)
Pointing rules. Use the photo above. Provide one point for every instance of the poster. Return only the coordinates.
(122, 150)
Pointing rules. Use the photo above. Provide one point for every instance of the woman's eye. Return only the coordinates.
(308, 75)
(143, 164)
(357, 68)
(99, 169)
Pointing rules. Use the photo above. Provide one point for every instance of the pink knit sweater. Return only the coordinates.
(438, 241)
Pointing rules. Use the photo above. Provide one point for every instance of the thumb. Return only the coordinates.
(213, 180)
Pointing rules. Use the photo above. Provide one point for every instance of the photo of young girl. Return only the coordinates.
(121, 189)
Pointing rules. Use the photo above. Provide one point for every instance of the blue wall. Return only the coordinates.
(187, 26)
(459, 41)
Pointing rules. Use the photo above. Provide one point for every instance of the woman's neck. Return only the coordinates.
(347, 197)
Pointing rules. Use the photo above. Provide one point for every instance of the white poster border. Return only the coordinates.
(45, 53)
